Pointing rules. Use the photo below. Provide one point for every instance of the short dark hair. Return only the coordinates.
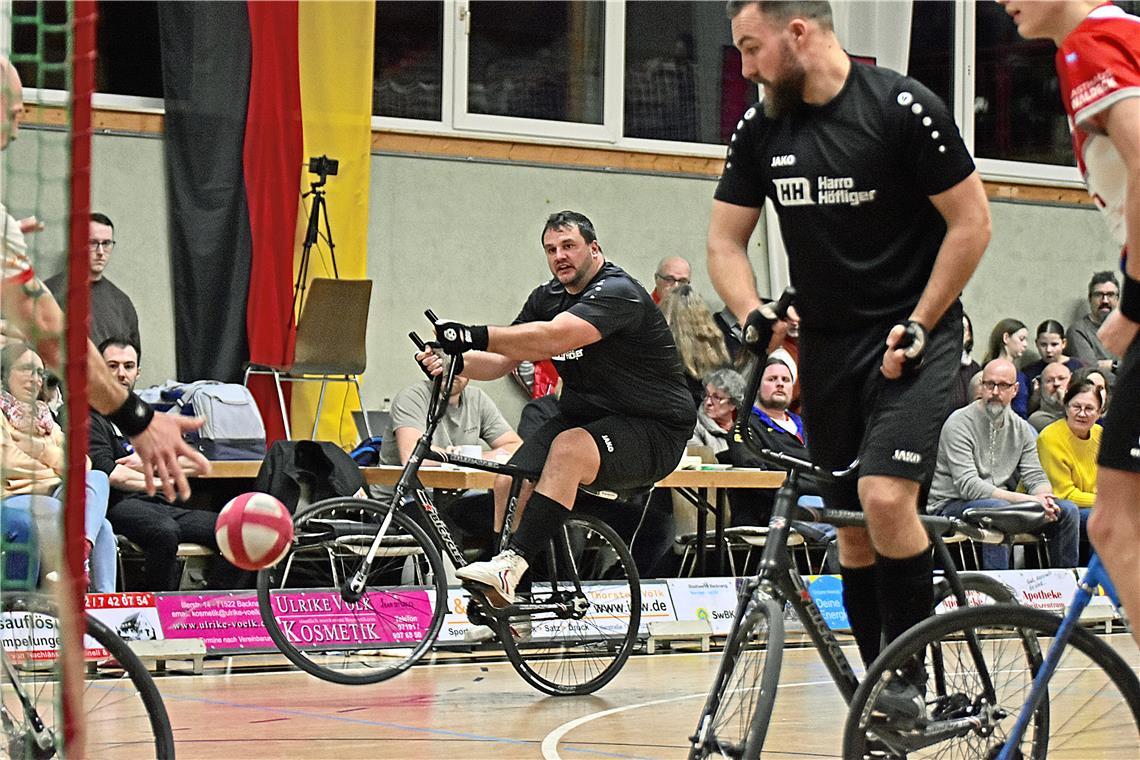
(121, 343)
(786, 10)
(1102, 277)
(102, 219)
(560, 220)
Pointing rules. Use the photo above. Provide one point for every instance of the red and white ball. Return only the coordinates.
(254, 531)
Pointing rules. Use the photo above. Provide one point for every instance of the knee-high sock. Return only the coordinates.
(861, 600)
(906, 592)
(542, 517)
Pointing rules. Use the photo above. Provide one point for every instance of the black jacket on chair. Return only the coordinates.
(327, 469)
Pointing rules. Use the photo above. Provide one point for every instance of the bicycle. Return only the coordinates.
(124, 711)
(986, 707)
(734, 720)
(378, 569)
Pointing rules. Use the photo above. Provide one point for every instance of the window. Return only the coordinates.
(1018, 115)
(41, 59)
(536, 61)
(931, 54)
(130, 54)
(408, 65)
(682, 74)
(129, 57)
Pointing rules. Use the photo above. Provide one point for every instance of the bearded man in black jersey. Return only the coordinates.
(625, 412)
(884, 219)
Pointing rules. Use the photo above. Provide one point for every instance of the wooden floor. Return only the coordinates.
(483, 710)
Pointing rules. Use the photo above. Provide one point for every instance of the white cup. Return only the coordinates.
(471, 451)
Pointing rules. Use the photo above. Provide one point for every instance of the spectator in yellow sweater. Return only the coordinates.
(1068, 450)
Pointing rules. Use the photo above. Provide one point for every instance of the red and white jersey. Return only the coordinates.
(15, 266)
(1098, 65)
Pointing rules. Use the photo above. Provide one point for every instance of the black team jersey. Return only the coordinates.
(634, 370)
(850, 181)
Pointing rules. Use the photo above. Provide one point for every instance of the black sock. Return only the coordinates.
(543, 516)
(906, 592)
(861, 600)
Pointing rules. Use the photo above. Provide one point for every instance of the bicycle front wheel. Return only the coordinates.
(346, 638)
(735, 718)
(1092, 710)
(579, 608)
(123, 700)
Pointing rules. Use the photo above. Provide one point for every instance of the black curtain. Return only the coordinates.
(205, 75)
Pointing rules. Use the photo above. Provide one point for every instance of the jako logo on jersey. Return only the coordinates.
(794, 191)
(609, 444)
(569, 355)
(910, 457)
(788, 160)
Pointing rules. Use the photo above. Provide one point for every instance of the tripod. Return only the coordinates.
(317, 210)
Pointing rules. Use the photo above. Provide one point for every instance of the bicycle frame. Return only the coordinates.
(1095, 576)
(408, 490)
(775, 570)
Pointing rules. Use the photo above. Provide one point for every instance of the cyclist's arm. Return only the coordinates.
(534, 341)
(1123, 126)
(967, 215)
(730, 227)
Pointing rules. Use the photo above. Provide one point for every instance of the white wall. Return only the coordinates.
(462, 238)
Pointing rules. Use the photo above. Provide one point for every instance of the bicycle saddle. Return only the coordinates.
(1025, 517)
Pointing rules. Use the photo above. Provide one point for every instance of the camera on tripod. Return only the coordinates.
(323, 167)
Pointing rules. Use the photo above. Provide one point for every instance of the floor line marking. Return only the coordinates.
(552, 739)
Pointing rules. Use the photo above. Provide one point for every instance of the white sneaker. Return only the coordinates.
(499, 575)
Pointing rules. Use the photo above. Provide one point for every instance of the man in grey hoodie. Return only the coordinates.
(984, 451)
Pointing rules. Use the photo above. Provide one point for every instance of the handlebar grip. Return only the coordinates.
(431, 316)
(418, 341)
(786, 298)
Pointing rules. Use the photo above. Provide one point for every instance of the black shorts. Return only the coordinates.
(851, 411)
(636, 452)
(1120, 443)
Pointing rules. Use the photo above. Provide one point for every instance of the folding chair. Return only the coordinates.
(330, 343)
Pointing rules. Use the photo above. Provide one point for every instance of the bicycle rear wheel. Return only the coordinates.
(981, 589)
(735, 718)
(122, 707)
(329, 634)
(1093, 707)
(588, 599)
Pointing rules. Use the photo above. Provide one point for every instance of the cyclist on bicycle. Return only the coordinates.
(625, 411)
(1098, 65)
(884, 219)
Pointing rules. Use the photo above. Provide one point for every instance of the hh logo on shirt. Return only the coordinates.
(830, 191)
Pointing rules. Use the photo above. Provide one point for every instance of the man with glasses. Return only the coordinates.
(112, 313)
(1104, 295)
(671, 272)
(984, 453)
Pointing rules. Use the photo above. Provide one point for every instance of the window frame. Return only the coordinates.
(455, 122)
(997, 170)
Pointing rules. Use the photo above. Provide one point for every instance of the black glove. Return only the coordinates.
(455, 338)
(435, 349)
(914, 341)
(757, 331)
